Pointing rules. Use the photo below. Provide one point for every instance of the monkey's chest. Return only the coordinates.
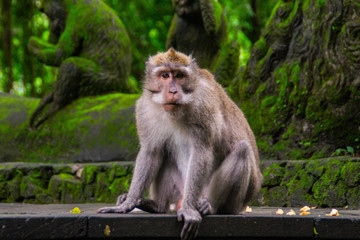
(180, 149)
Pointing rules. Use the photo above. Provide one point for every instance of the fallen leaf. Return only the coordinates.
(279, 212)
(248, 209)
(304, 213)
(291, 212)
(76, 210)
(315, 207)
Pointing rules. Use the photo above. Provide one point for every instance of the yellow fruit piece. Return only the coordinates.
(304, 213)
(305, 209)
(333, 212)
(279, 212)
(248, 209)
(107, 230)
(76, 210)
(291, 213)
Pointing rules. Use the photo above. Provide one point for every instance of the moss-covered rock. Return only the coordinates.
(273, 175)
(3, 190)
(328, 190)
(30, 187)
(98, 128)
(66, 188)
(300, 88)
(277, 196)
(351, 174)
(300, 189)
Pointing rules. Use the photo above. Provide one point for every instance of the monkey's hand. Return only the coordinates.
(125, 207)
(192, 220)
(205, 207)
(33, 45)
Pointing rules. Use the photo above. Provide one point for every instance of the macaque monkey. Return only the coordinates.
(197, 149)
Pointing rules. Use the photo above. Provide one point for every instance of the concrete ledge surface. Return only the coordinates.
(55, 221)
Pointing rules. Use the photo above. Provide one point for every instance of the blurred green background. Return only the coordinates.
(147, 22)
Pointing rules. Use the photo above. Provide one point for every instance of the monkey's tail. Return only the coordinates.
(46, 100)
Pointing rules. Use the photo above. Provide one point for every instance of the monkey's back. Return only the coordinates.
(235, 126)
(104, 39)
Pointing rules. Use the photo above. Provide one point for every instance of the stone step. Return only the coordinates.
(55, 221)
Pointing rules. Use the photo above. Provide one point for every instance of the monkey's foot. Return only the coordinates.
(121, 199)
(125, 207)
(111, 210)
(205, 207)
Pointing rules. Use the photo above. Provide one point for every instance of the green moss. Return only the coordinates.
(291, 170)
(325, 189)
(351, 174)
(89, 173)
(3, 190)
(78, 131)
(316, 168)
(273, 175)
(30, 187)
(217, 13)
(120, 186)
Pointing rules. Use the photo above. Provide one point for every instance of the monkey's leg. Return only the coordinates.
(235, 182)
(74, 73)
(46, 100)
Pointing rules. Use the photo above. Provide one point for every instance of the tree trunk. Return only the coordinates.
(301, 87)
(256, 28)
(28, 59)
(7, 44)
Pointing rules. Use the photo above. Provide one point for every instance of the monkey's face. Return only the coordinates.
(173, 88)
(171, 79)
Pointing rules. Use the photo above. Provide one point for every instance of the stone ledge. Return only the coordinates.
(27, 221)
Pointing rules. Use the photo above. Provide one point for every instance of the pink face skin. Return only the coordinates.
(171, 82)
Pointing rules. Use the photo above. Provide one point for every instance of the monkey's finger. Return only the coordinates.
(106, 210)
(191, 231)
(186, 231)
(180, 217)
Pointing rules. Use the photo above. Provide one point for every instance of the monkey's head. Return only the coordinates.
(56, 12)
(186, 8)
(171, 79)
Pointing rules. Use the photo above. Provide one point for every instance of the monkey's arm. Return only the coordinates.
(171, 36)
(146, 168)
(37, 43)
(211, 15)
(53, 55)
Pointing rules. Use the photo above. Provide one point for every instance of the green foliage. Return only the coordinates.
(344, 152)
(147, 22)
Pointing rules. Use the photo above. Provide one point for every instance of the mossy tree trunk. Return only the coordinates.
(301, 87)
(7, 43)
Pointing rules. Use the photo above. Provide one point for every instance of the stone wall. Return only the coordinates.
(64, 183)
(331, 182)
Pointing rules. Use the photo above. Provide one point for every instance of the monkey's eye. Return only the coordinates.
(165, 75)
(179, 75)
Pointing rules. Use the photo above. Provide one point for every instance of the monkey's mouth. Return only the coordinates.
(169, 107)
(170, 104)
